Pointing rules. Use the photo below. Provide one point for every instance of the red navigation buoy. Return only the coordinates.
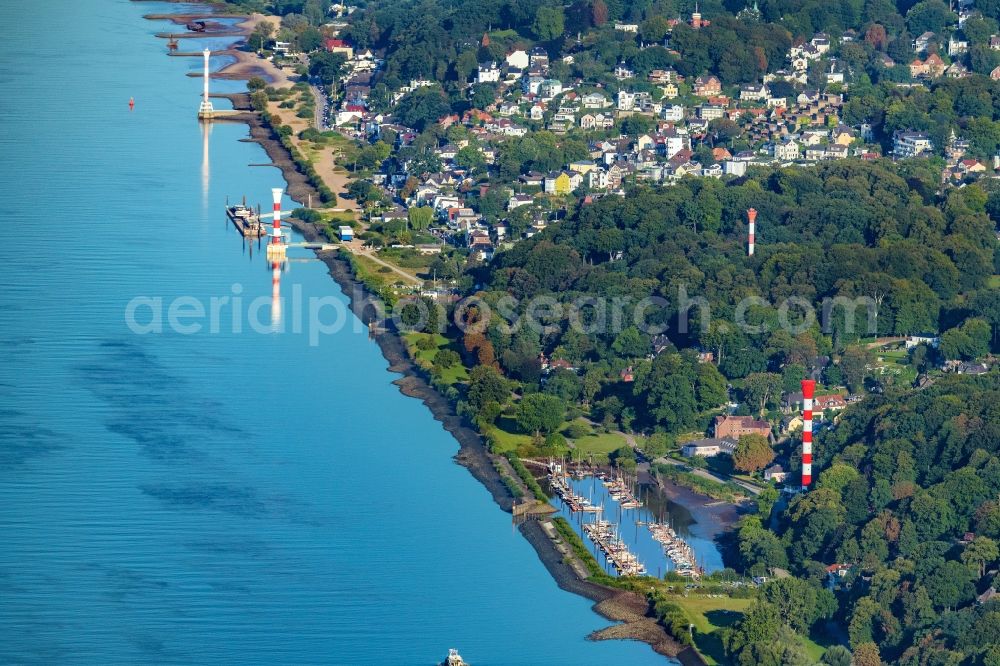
(131, 103)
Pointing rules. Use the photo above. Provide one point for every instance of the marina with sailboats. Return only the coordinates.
(627, 537)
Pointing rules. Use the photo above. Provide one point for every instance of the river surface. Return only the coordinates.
(215, 496)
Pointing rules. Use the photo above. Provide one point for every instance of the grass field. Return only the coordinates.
(506, 436)
(711, 614)
(456, 374)
(596, 444)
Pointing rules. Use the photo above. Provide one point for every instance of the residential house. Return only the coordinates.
(809, 96)
(623, 72)
(921, 43)
(558, 182)
(519, 200)
(786, 150)
(836, 151)
(595, 100)
(932, 67)
(810, 138)
(488, 73)
(815, 152)
(843, 135)
(735, 427)
(775, 473)
(627, 27)
(957, 44)
(835, 75)
(531, 83)
(550, 88)
(588, 121)
(710, 111)
(705, 86)
(734, 168)
(508, 109)
(910, 144)
(754, 92)
(518, 59)
(670, 90)
(673, 141)
(538, 57)
(532, 179)
(661, 76)
(833, 402)
(339, 46)
(821, 42)
(673, 113)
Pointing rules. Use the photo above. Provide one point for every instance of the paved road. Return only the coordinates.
(705, 474)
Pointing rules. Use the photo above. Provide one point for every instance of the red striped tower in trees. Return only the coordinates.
(808, 391)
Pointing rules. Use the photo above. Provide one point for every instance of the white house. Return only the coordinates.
(910, 144)
(623, 72)
(595, 100)
(821, 42)
(673, 113)
(775, 473)
(957, 45)
(518, 59)
(754, 92)
(786, 150)
(550, 88)
(710, 111)
(488, 73)
(627, 27)
(922, 339)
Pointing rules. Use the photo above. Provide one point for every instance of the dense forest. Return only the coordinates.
(844, 230)
(904, 477)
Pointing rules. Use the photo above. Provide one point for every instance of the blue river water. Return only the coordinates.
(215, 496)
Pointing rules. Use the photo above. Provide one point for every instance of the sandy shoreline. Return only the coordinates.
(627, 608)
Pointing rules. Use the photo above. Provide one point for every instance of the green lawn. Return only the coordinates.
(456, 374)
(598, 444)
(710, 614)
(505, 436)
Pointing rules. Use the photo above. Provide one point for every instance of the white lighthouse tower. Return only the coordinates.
(205, 111)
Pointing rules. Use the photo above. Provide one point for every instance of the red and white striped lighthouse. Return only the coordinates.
(276, 254)
(808, 391)
(276, 193)
(751, 220)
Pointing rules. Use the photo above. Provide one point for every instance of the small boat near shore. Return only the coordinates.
(246, 221)
(454, 659)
